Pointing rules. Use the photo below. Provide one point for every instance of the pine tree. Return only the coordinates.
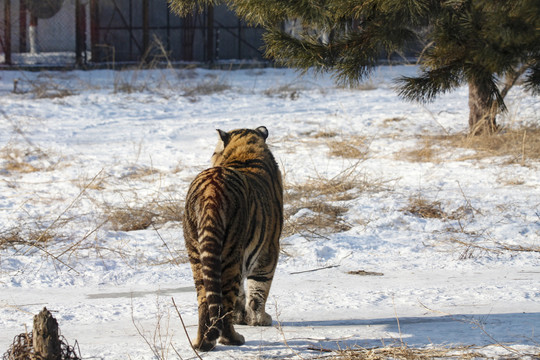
(486, 44)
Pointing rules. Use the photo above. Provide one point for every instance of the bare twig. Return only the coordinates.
(313, 270)
(44, 232)
(477, 324)
(397, 319)
(185, 330)
(280, 329)
(166, 246)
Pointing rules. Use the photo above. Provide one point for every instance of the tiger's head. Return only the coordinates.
(240, 145)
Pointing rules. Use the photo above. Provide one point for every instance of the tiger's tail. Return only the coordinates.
(211, 241)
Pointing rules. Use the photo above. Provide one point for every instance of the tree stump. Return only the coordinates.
(46, 337)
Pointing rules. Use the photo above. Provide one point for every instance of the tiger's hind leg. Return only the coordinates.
(202, 343)
(231, 289)
(239, 315)
(258, 289)
(205, 329)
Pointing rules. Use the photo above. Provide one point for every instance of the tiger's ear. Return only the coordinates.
(263, 131)
(223, 136)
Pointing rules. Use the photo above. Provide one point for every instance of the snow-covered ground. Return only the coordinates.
(80, 150)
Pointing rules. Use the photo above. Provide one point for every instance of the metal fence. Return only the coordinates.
(85, 32)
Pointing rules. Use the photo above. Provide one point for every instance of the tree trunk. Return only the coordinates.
(45, 337)
(482, 111)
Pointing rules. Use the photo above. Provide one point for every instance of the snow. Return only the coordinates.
(95, 142)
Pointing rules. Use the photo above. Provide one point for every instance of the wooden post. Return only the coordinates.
(80, 33)
(22, 26)
(146, 30)
(94, 31)
(7, 32)
(45, 337)
(210, 55)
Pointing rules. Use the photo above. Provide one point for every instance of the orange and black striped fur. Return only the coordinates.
(232, 224)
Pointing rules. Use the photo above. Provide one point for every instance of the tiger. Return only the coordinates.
(232, 223)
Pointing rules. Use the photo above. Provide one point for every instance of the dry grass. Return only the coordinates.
(517, 145)
(287, 91)
(15, 161)
(208, 86)
(351, 147)
(418, 206)
(26, 160)
(325, 134)
(139, 172)
(28, 235)
(403, 352)
(318, 220)
(432, 209)
(152, 213)
(130, 219)
(347, 146)
(45, 86)
(457, 236)
(428, 150)
(317, 207)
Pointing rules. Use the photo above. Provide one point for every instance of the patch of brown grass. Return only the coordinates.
(425, 209)
(46, 86)
(325, 134)
(207, 86)
(130, 219)
(425, 152)
(153, 213)
(432, 209)
(392, 120)
(351, 147)
(518, 145)
(404, 352)
(139, 172)
(319, 220)
(317, 207)
(19, 160)
(28, 235)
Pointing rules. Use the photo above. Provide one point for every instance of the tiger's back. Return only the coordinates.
(233, 220)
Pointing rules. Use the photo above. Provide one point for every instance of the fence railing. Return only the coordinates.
(85, 32)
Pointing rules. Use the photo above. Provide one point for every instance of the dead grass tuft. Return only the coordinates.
(404, 352)
(518, 145)
(139, 172)
(206, 87)
(287, 91)
(314, 220)
(317, 207)
(130, 219)
(28, 235)
(393, 120)
(432, 209)
(427, 151)
(325, 134)
(351, 147)
(153, 213)
(45, 86)
(26, 160)
(423, 208)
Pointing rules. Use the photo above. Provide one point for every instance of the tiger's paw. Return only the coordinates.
(233, 339)
(204, 344)
(262, 319)
(240, 317)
